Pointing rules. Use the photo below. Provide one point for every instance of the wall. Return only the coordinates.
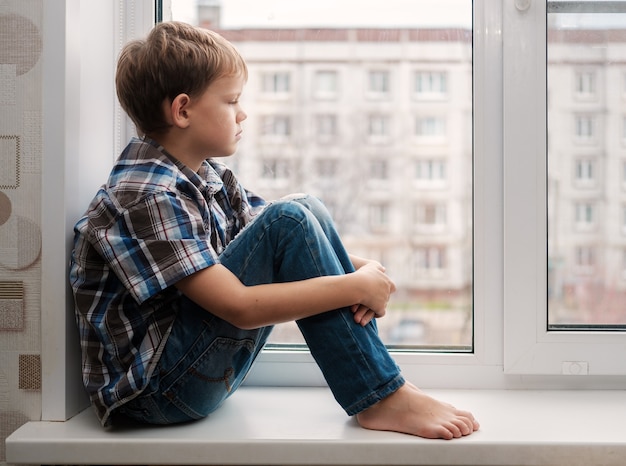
(21, 47)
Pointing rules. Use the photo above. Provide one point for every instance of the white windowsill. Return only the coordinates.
(292, 426)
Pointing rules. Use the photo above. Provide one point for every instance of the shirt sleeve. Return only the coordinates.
(155, 243)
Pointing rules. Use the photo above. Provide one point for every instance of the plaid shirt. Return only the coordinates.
(155, 222)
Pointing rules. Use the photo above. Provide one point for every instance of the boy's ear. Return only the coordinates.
(176, 111)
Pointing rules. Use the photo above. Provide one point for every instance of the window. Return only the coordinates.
(326, 140)
(431, 171)
(505, 59)
(275, 169)
(326, 84)
(379, 217)
(566, 312)
(584, 173)
(326, 128)
(378, 128)
(431, 84)
(430, 261)
(584, 128)
(585, 84)
(378, 83)
(430, 217)
(430, 128)
(276, 126)
(277, 83)
(585, 215)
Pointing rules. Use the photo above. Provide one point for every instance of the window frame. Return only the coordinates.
(529, 346)
(483, 366)
(511, 347)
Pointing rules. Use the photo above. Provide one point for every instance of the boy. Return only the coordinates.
(175, 298)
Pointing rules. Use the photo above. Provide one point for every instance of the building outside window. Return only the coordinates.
(430, 128)
(584, 174)
(378, 84)
(278, 83)
(585, 84)
(326, 84)
(431, 84)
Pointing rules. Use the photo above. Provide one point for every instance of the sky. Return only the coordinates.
(335, 13)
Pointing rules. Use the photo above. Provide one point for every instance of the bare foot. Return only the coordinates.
(411, 411)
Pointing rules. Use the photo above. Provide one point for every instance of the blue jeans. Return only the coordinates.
(206, 359)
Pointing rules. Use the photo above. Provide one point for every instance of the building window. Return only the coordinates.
(430, 170)
(379, 217)
(585, 215)
(584, 128)
(429, 261)
(275, 169)
(378, 128)
(585, 259)
(430, 128)
(585, 84)
(325, 84)
(277, 83)
(326, 127)
(430, 217)
(585, 172)
(378, 83)
(430, 84)
(275, 127)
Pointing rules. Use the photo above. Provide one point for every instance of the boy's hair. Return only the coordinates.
(174, 59)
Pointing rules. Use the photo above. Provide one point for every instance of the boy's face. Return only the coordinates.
(215, 118)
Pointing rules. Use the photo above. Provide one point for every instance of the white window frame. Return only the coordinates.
(529, 348)
(482, 368)
(81, 40)
(511, 348)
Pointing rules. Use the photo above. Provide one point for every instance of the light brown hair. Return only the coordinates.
(174, 59)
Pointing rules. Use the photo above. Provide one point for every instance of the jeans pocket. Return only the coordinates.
(205, 381)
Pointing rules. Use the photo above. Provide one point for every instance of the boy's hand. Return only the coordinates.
(378, 289)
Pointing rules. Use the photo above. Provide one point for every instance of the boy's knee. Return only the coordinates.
(283, 209)
(295, 197)
(311, 203)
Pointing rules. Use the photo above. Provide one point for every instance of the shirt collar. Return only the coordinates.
(207, 180)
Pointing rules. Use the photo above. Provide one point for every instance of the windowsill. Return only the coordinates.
(305, 426)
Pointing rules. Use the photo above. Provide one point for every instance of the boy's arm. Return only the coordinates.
(220, 292)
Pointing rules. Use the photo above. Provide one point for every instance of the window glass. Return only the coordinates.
(586, 242)
(369, 109)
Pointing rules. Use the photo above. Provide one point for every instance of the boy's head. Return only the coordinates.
(174, 59)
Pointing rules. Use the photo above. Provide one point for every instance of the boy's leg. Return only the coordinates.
(360, 372)
(299, 241)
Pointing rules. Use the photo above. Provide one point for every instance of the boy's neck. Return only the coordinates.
(175, 147)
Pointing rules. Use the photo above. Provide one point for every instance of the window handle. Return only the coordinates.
(522, 5)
